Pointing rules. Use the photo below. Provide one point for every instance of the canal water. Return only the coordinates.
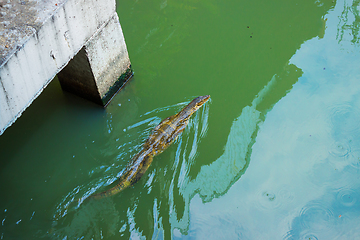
(275, 153)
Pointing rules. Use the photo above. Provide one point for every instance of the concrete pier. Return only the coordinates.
(81, 41)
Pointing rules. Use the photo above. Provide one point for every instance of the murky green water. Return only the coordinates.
(274, 154)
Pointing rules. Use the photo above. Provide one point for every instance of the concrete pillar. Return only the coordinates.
(38, 40)
(101, 67)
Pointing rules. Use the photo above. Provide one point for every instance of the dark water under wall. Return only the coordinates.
(274, 154)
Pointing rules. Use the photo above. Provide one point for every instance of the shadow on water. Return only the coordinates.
(30, 124)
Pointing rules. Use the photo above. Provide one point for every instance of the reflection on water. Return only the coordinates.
(349, 24)
(274, 155)
(215, 179)
(302, 181)
(335, 215)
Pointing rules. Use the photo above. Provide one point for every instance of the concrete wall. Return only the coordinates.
(50, 34)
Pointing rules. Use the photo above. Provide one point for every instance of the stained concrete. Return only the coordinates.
(38, 39)
(98, 66)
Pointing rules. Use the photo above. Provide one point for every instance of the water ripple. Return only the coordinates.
(339, 154)
(340, 148)
(315, 215)
(355, 158)
(274, 199)
(309, 236)
(291, 235)
(346, 197)
(345, 118)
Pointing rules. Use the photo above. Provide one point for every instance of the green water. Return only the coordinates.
(273, 155)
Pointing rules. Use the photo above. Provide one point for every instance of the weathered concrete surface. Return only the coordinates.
(95, 70)
(38, 38)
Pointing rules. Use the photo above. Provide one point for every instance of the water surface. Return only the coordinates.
(274, 154)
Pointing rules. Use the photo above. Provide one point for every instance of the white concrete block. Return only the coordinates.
(50, 35)
(108, 55)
